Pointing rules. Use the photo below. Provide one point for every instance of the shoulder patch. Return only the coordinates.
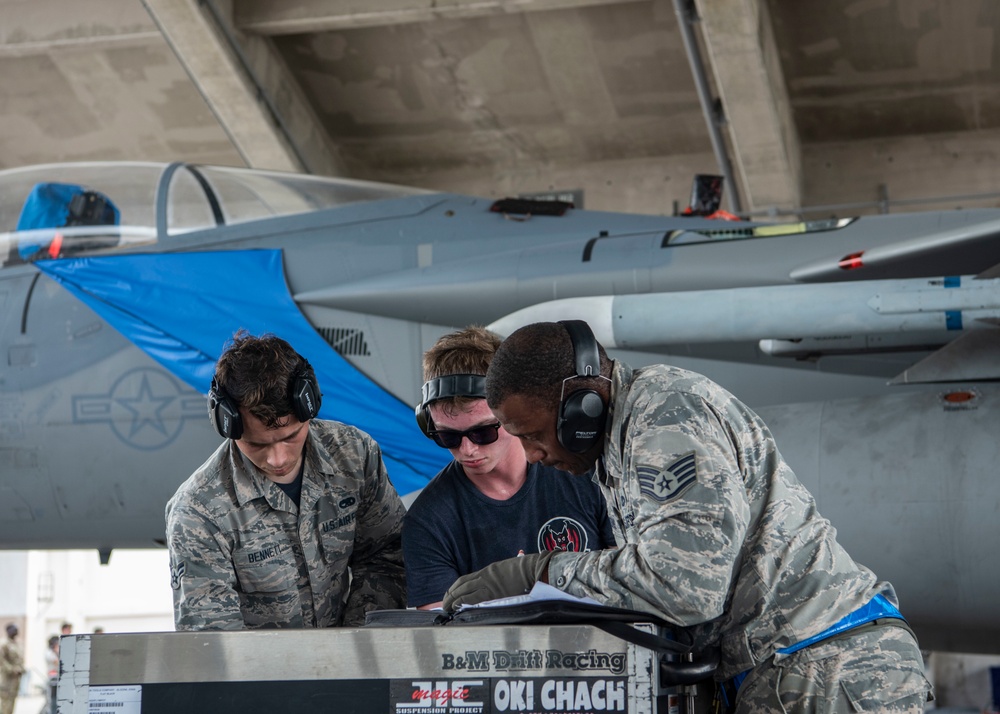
(176, 573)
(672, 482)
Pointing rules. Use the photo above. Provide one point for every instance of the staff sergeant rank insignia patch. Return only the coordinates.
(176, 573)
(670, 484)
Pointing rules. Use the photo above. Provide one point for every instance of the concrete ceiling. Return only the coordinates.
(808, 107)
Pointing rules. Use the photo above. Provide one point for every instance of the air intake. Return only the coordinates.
(347, 341)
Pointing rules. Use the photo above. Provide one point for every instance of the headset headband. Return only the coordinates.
(452, 385)
(447, 387)
(586, 355)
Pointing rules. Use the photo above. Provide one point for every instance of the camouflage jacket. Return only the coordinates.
(11, 665)
(242, 555)
(719, 535)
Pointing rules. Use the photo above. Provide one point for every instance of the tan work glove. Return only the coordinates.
(504, 578)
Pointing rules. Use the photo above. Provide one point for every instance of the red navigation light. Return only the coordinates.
(55, 247)
(958, 397)
(852, 261)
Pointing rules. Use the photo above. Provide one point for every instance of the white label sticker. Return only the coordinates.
(123, 699)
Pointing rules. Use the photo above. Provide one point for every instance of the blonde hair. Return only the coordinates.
(467, 351)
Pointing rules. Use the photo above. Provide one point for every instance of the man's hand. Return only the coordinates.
(504, 578)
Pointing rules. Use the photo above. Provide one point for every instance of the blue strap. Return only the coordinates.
(730, 688)
(877, 607)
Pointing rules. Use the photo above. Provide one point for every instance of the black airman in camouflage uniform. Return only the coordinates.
(293, 524)
(715, 534)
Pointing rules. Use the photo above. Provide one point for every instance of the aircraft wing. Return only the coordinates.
(963, 250)
(182, 308)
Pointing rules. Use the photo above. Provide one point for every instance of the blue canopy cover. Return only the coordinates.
(182, 308)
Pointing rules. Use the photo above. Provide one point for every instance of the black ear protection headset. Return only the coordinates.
(452, 385)
(303, 393)
(581, 413)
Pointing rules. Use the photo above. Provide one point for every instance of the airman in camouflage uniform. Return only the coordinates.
(244, 554)
(715, 533)
(11, 669)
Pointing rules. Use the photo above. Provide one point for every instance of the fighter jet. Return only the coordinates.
(869, 345)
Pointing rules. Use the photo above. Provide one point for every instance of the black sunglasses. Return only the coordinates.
(480, 435)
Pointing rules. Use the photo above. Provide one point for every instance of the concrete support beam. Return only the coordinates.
(278, 18)
(745, 67)
(299, 121)
(247, 87)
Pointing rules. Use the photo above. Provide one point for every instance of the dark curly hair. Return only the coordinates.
(256, 373)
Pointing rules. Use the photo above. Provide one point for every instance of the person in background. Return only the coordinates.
(52, 670)
(52, 657)
(292, 522)
(716, 534)
(489, 503)
(11, 669)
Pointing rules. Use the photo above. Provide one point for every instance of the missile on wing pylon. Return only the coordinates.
(935, 311)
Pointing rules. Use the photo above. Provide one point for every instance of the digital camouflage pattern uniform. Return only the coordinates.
(720, 537)
(11, 669)
(242, 555)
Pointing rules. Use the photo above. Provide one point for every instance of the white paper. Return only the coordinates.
(541, 591)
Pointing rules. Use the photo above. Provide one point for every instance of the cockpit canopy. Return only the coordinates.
(152, 201)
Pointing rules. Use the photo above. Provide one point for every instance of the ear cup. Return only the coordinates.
(424, 421)
(582, 413)
(223, 413)
(581, 421)
(305, 395)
